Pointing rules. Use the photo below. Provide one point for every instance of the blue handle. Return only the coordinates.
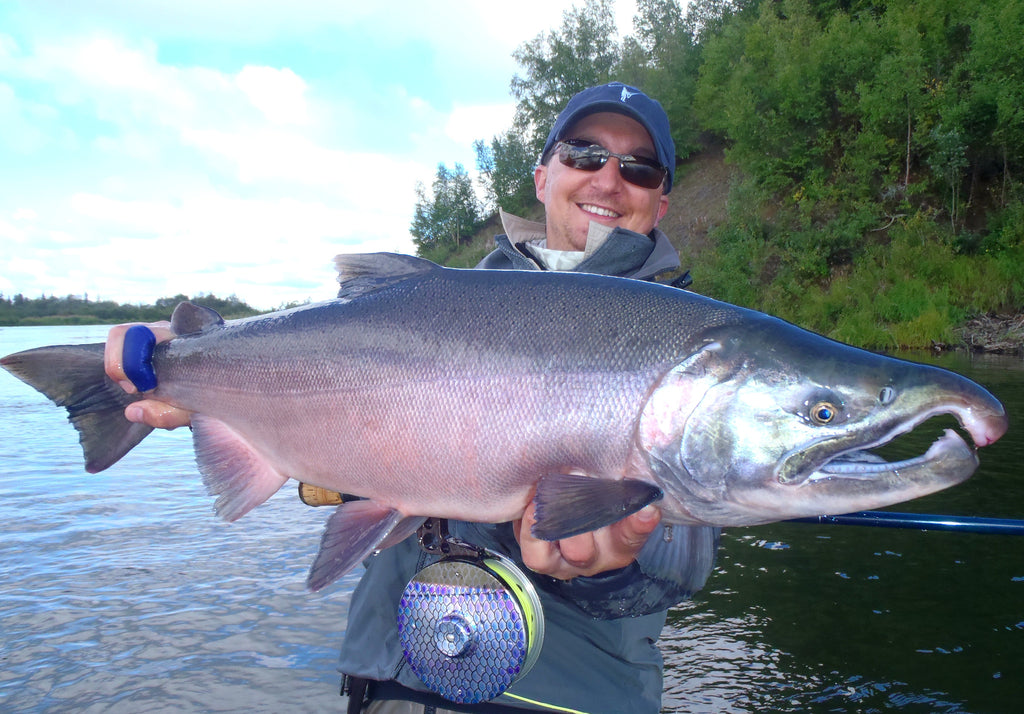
(137, 357)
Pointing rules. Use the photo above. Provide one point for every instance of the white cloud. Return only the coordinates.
(466, 124)
(20, 122)
(12, 233)
(278, 93)
(163, 147)
(139, 216)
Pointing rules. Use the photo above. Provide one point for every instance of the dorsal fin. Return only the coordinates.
(189, 318)
(362, 273)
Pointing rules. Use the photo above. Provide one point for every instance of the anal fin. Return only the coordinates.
(570, 504)
(403, 530)
(354, 531)
(233, 471)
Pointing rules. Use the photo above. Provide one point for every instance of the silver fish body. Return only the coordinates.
(459, 393)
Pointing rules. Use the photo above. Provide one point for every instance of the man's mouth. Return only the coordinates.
(599, 211)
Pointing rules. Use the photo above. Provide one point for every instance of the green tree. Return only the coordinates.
(706, 18)
(450, 214)
(506, 172)
(555, 65)
(558, 64)
(663, 59)
(767, 85)
(995, 64)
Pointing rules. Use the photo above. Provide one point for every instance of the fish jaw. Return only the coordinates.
(784, 434)
(858, 482)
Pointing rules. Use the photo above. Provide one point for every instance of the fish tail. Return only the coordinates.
(73, 377)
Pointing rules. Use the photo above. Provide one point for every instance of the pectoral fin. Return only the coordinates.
(570, 504)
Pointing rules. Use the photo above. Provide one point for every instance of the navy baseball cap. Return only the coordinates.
(622, 99)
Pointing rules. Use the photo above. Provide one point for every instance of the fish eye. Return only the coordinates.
(886, 395)
(823, 413)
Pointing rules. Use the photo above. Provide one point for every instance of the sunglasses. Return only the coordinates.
(637, 170)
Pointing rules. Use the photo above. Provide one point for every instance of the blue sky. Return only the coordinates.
(150, 148)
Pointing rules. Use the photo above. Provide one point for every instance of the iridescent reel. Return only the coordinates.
(470, 625)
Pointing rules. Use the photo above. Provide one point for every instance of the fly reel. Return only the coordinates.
(471, 624)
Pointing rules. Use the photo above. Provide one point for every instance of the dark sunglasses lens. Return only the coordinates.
(593, 157)
(641, 174)
(585, 158)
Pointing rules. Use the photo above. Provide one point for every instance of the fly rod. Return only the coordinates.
(922, 521)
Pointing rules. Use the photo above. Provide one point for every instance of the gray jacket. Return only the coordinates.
(599, 652)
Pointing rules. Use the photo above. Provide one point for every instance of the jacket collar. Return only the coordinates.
(609, 251)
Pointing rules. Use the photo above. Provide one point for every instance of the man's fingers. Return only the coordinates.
(587, 554)
(113, 357)
(113, 352)
(147, 411)
(157, 414)
(635, 529)
(540, 556)
(581, 551)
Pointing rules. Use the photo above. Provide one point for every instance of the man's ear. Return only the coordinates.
(540, 181)
(662, 208)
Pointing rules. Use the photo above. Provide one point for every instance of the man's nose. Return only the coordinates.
(608, 176)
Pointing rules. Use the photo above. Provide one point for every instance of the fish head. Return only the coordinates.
(771, 422)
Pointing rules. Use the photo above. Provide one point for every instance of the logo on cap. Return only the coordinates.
(626, 94)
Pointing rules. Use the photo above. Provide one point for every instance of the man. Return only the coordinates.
(604, 177)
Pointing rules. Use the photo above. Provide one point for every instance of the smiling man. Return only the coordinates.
(573, 198)
(604, 178)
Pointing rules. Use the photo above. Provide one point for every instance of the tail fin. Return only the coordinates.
(73, 377)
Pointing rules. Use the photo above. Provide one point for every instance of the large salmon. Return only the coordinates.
(455, 393)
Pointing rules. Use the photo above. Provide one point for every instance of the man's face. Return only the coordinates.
(573, 198)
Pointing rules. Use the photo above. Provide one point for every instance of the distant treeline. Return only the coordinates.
(74, 310)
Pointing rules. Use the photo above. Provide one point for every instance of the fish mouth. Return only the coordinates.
(948, 460)
(856, 479)
(853, 479)
(840, 475)
(949, 451)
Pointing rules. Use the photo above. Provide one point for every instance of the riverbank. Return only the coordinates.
(994, 334)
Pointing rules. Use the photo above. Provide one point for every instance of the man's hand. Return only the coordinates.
(147, 411)
(608, 548)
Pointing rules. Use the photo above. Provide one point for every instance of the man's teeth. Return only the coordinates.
(590, 208)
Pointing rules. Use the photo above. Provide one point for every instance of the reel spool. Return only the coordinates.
(470, 627)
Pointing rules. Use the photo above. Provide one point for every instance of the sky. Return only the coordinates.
(150, 148)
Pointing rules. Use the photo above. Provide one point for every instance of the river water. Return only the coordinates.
(121, 592)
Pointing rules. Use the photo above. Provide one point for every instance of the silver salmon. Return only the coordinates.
(463, 394)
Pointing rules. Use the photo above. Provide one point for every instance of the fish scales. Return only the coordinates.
(364, 393)
(464, 394)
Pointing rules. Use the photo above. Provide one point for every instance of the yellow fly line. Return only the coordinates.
(550, 707)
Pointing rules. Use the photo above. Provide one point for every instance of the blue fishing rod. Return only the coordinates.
(922, 521)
